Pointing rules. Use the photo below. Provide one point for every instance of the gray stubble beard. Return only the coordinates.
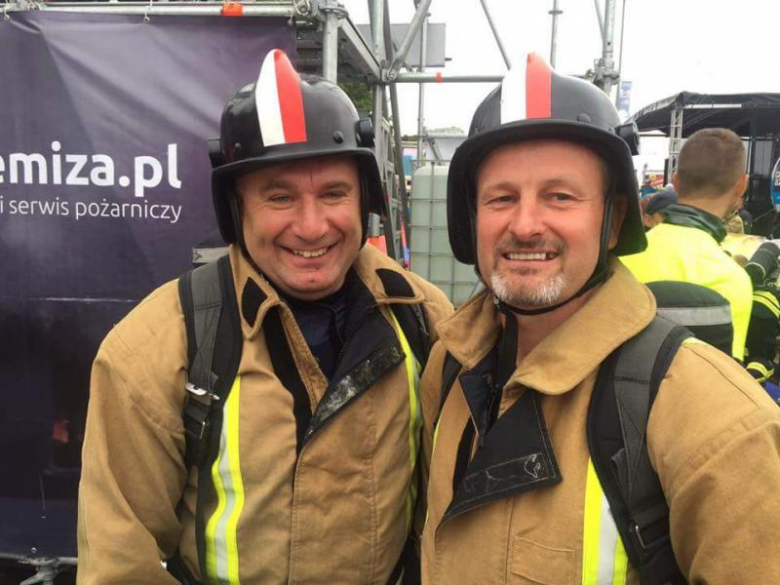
(543, 295)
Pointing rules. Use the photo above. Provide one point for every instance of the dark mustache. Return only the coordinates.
(512, 242)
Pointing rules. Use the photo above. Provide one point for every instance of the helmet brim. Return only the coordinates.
(469, 156)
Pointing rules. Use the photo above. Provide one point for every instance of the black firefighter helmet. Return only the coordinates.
(535, 102)
(283, 117)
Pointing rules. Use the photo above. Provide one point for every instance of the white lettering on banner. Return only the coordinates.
(35, 168)
(91, 209)
(26, 161)
(104, 209)
(56, 164)
(84, 170)
(79, 161)
(173, 167)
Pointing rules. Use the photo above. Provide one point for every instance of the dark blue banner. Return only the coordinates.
(104, 191)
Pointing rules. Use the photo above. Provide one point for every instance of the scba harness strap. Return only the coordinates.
(215, 343)
(626, 387)
(625, 390)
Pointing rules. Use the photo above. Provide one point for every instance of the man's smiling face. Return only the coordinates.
(301, 223)
(539, 209)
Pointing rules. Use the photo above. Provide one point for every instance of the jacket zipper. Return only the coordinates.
(351, 334)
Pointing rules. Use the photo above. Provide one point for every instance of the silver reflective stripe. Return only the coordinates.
(222, 563)
(604, 559)
(608, 542)
(697, 316)
(221, 536)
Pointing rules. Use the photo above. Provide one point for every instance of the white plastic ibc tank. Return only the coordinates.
(431, 255)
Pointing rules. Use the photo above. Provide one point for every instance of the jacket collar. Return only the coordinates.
(617, 311)
(381, 275)
(689, 216)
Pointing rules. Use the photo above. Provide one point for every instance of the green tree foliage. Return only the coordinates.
(360, 94)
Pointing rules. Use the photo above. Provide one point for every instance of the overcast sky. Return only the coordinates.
(708, 46)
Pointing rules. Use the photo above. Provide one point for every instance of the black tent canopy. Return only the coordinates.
(753, 116)
(747, 114)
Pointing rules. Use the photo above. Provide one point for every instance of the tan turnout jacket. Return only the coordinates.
(339, 513)
(714, 440)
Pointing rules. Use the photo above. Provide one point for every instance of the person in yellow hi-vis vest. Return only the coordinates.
(710, 182)
(565, 441)
(297, 462)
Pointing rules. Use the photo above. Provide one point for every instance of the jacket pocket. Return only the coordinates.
(537, 563)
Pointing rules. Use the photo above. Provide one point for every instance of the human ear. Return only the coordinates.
(619, 207)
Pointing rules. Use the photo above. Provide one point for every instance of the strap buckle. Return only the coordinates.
(653, 544)
(200, 392)
(196, 411)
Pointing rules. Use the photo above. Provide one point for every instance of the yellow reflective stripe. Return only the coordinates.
(415, 419)
(761, 369)
(590, 551)
(768, 300)
(436, 431)
(222, 565)
(604, 560)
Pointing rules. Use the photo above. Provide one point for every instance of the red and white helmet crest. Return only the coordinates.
(526, 91)
(279, 101)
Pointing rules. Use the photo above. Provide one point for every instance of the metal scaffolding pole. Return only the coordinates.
(330, 48)
(608, 49)
(376, 15)
(331, 14)
(439, 78)
(157, 9)
(495, 34)
(395, 110)
(417, 21)
(555, 12)
(600, 18)
(675, 140)
(605, 75)
(421, 100)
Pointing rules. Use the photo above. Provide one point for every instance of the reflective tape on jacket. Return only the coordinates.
(413, 373)
(222, 563)
(768, 300)
(760, 371)
(604, 559)
(697, 316)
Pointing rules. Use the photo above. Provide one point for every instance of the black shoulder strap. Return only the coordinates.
(214, 344)
(450, 372)
(411, 318)
(617, 424)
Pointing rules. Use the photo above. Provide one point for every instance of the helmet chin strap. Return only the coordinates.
(600, 273)
(235, 214)
(365, 207)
